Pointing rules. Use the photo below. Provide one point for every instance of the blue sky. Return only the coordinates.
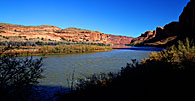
(118, 17)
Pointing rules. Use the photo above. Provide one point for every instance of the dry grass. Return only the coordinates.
(58, 49)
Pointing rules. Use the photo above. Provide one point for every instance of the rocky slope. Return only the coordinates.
(53, 33)
(170, 33)
(187, 19)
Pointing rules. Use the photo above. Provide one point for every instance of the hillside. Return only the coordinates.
(11, 32)
(170, 33)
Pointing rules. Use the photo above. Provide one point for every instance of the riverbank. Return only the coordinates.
(52, 50)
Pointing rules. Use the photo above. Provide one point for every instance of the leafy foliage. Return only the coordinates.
(177, 55)
(18, 76)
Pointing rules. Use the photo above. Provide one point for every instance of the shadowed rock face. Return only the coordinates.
(187, 18)
(54, 33)
(171, 32)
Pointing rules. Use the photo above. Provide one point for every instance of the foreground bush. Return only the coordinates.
(161, 77)
(181, 55)
(18, 77)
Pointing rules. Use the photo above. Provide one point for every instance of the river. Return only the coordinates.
(59, 69)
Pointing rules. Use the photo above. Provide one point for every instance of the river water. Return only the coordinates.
(59, 69)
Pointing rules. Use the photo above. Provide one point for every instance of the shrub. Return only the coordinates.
(18, 77)
(184, 51)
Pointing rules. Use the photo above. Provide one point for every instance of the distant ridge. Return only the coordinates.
(52, 33)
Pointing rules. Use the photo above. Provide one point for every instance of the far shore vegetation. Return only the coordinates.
(42, 49)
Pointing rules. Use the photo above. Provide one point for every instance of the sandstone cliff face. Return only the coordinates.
(52, 33)
(160, 36)
(172, 31)
(144, 36)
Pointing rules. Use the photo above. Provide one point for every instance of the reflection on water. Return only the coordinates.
(59, 68)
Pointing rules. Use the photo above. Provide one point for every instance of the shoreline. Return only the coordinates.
(52, 50)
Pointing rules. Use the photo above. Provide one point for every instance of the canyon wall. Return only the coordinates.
(170, 33)
(53, 33)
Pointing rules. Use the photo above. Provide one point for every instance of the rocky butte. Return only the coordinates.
(172, 32)
(52, 33)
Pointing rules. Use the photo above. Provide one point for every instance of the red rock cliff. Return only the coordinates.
(52, 33)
